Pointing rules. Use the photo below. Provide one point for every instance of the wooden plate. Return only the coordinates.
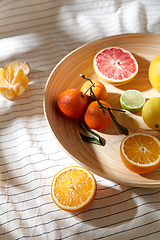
(103, 160)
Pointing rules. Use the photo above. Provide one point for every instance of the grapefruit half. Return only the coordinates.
(115, 65)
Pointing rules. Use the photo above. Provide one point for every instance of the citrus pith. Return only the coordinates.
(140, 152)
(73, 188)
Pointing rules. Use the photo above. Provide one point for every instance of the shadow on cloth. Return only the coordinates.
(110, 208)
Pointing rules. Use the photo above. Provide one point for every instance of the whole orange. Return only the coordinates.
(154, 73)
(72, 103)
(98, 89)
(95, 118)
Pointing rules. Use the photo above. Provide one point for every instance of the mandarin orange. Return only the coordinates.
(98, 89)
(94, 116)
(13, 79)
(72, 103)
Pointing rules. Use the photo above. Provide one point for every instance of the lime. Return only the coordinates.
(132, 100)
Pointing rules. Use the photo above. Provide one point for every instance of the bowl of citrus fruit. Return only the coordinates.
(97, 105)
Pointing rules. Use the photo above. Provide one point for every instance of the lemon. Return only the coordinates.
(132, 100)
(154, 73)
(151, 113)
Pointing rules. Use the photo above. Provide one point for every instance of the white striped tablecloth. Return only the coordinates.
(42, 32)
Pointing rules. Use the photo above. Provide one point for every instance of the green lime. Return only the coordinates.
(132, 100)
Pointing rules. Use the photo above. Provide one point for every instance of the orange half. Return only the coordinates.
(140, 152)
(73, 188)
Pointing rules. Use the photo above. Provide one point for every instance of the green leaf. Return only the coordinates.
(95, 138)
(121, 129)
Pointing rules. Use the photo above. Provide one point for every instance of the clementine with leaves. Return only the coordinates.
(95, 117)
(97, 87)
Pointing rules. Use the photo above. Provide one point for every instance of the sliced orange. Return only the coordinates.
(115, 65)
(73, 188)
(140, 152)
(13, 79)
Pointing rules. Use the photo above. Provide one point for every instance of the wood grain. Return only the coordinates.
(104, 161)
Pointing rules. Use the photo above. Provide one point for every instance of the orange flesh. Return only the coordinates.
(142, 150)
(73, 187)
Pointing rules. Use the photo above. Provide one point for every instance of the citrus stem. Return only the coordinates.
(121, 128)
(85, 77)
(88, 89)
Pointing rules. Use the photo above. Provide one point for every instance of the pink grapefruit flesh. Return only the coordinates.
(115, 65)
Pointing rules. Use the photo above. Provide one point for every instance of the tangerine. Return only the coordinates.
(95, 118)
(98, 88)
(13, 79)
(72, 103)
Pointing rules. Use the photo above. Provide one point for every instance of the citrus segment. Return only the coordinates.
(10, 74)
(132, 100)
(13, 79)
(115, 65)
(19, 65)
(140, 152)
(18, 76)
(73, 188)
(3, 81)
(7, 93)
(154, 73)
(20, 87)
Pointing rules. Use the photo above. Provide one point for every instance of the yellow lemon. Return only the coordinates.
(154, 73)
(151, 113)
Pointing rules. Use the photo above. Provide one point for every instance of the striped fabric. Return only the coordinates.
(42, 32)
